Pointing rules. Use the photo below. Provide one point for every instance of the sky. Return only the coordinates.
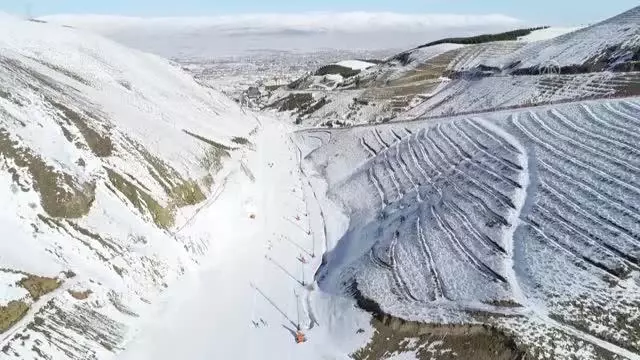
(547, 12)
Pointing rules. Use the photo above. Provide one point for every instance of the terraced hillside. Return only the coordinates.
(380, 92)
(465, 96)
(475, 55)
(104, 152)
(524, 220)
(598, 61)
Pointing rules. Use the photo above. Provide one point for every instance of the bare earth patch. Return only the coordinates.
(442, 342)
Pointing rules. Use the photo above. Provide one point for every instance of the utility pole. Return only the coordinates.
(313, 237)
(297, 310)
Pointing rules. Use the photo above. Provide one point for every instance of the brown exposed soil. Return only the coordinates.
(61, 196)
(442, 342)
(80, 295)
(38, 286)
(394, 336)
(100, 144)
(11, 314)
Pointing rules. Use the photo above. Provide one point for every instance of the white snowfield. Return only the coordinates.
(548, 33)
(167, 180)
(552, 65)
(355, 64)
(253, 289)
(528, 213)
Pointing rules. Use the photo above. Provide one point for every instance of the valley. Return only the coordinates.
(470, 198)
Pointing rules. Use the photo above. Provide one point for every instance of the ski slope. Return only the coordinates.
(248, 298)
(161, 221)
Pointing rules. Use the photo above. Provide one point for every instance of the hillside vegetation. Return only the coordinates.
(485, 38)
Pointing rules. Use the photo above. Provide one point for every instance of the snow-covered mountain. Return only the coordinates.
(106, 153)
(603, 46)
(490, 211)
(523, 220)
(549, 33)
(547, 65)
(519, 215)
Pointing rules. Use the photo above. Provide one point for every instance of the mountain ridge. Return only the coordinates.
(105, 151)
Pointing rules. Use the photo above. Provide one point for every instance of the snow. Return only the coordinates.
(404, 356)
(424, 54)
(60, 89)
(464, 96)
(420, 56)
(17, 205)
(159, 93)
(414, 242)
(549, 33)
(9, 291)
(621, 32)
(432, 219)
(241, 303)
(356, 64)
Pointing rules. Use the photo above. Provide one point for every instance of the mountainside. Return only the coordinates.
(106, 152)
(442, 78)
(467, 96)
(500, 194)
(525, 220)
(613, 44)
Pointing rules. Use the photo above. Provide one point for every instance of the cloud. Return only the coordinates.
(319, 21)
(210, 36)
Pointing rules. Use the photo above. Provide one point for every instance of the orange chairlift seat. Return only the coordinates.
(300, 338)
